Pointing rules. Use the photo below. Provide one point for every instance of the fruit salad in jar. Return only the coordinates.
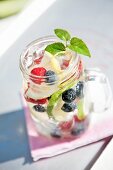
(53, 84)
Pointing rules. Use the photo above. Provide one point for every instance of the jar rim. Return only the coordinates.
(38, 41)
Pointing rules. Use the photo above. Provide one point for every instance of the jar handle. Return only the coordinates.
(98, 92)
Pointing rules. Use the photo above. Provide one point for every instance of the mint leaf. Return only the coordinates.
(79, 46)
(62, 34)
(55, 97)
(55, 48)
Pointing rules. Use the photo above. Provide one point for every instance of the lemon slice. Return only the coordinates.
(54, 63)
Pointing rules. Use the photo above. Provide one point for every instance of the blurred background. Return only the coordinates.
(9, 9)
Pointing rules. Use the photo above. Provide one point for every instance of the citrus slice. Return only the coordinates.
(54, 63)
(80, 106)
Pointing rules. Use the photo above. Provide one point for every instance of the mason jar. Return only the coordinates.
(56, 89)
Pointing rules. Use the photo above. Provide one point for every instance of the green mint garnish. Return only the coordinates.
(79, 46)
(75, 44)
(55, 97)
(55, 48)
(62, 34)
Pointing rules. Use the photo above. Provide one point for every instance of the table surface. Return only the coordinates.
(77, 16)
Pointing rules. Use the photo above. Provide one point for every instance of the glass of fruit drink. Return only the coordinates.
(54, 84)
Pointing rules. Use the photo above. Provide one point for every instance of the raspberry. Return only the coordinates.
(39, 71)
(66, 125)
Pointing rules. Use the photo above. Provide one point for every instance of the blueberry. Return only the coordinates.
(69, 95)
(76, 132)
(56, 134)
(79, 89)
(68, 107)
(39, 108)
(80, 127)
(51, 76)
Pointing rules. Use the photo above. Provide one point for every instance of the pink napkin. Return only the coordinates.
(42, 147)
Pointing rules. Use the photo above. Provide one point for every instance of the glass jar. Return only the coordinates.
(59, 103)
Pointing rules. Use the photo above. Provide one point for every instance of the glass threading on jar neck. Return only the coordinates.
(39, 45)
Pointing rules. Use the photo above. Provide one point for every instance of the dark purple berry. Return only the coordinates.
(69, 95)
(51, 76)
(56, 134)
(39, 108)
(76, 132)
(79, 89)
(68, 107)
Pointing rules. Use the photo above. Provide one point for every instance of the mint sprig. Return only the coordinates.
(79, 46)
(75, 44)
(55, 48)
(62, 34)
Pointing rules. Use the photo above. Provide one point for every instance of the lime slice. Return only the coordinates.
(54, 99)
(80, 107)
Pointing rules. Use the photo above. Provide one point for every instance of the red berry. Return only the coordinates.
(65, 64)
(76, 119)
(38, 101)
(30, 100)
(42, 101)
(80, 67)
(39, 71)
(66, 125)
(38, 61)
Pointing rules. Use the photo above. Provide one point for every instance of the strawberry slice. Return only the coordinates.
(33, 100)
(38, 101)
(39, 71)
(42, 101)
